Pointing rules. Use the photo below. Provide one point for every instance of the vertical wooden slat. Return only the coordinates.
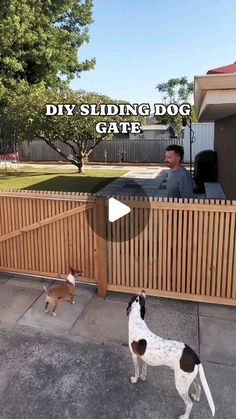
(215, 254)
(209, 254)
(127, 248)
(225, 255)
(220, 256)
(150, 250)
(117, 244)
(184, 251)
(234, 264)
(8, 243)
(174, 251)
(165, 233)
(160, 253)
(114, 260)
(132, 246)
(110, 255)
(199, 254)
(122, 247)
(44, 236)
(204, 253)
(13, 220)
(169, 249)
(101, 247)
(50, 239)
(155, 245)
(136, 245)
(141, 251)
(21, 260)
(232, 256)
(145, 248)
(195, 241)
(179, 244)
(190, 251)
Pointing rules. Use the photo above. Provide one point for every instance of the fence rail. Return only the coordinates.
(182, 249)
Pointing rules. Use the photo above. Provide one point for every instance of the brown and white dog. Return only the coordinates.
(66, 291)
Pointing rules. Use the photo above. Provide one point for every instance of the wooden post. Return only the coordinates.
(100, 255)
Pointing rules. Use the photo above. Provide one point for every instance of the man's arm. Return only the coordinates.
(186, 186)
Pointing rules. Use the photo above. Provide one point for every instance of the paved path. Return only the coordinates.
(77, 365)
(142, 180)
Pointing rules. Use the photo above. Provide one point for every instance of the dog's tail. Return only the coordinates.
(206, 389)
(45, 289)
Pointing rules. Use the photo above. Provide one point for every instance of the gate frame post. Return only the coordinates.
(101, 242)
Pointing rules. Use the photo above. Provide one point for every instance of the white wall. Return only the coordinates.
(204, 139)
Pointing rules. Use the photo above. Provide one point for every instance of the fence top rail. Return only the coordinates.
(178, 204)
(132, 201)
(48, 195)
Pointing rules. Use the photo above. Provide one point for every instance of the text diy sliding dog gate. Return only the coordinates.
(179, 249)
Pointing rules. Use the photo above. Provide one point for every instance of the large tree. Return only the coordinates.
(39, 43)
(24, 119)
(175, 90)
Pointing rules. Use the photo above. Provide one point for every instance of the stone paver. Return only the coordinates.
(67, 313)
(104, 320)
(217, 311)
(28, 282)
(4, 277)
(14, 301)
(218, 340)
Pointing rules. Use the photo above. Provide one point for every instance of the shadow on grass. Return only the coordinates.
(72, 184)
(7, 175)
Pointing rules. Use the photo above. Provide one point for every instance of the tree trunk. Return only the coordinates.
(81, 165)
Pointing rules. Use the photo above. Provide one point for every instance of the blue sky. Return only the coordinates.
(138, 44)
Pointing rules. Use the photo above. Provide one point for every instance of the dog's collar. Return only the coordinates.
(71, 279)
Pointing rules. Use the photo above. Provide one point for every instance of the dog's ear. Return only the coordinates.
(72, 271)
(142, 305)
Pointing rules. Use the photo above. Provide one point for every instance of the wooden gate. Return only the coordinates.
(43, 233)
(184, 249)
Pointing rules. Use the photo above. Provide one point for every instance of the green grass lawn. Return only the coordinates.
(57, 179)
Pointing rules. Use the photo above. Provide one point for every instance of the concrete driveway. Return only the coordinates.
(78, 365)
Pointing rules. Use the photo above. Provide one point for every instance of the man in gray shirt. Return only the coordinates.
(179, 182)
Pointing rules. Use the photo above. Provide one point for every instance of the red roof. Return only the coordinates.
(231, 68)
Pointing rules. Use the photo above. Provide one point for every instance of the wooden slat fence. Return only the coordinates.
(187, 250)
(177, 249)
(43, 233)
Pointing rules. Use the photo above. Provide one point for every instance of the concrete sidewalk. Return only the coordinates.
(77, 365)
(144, 181)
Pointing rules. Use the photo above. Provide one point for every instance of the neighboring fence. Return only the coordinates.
(122, 150)
(186, 250)
(132, 151)
(202, 137)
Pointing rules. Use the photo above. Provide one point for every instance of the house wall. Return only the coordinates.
(225, 146)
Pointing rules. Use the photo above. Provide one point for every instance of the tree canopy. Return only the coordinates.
(39, 43)
(175, 90)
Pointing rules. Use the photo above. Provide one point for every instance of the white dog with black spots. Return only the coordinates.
(153, 350)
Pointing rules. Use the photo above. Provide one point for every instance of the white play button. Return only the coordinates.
(116, 210)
